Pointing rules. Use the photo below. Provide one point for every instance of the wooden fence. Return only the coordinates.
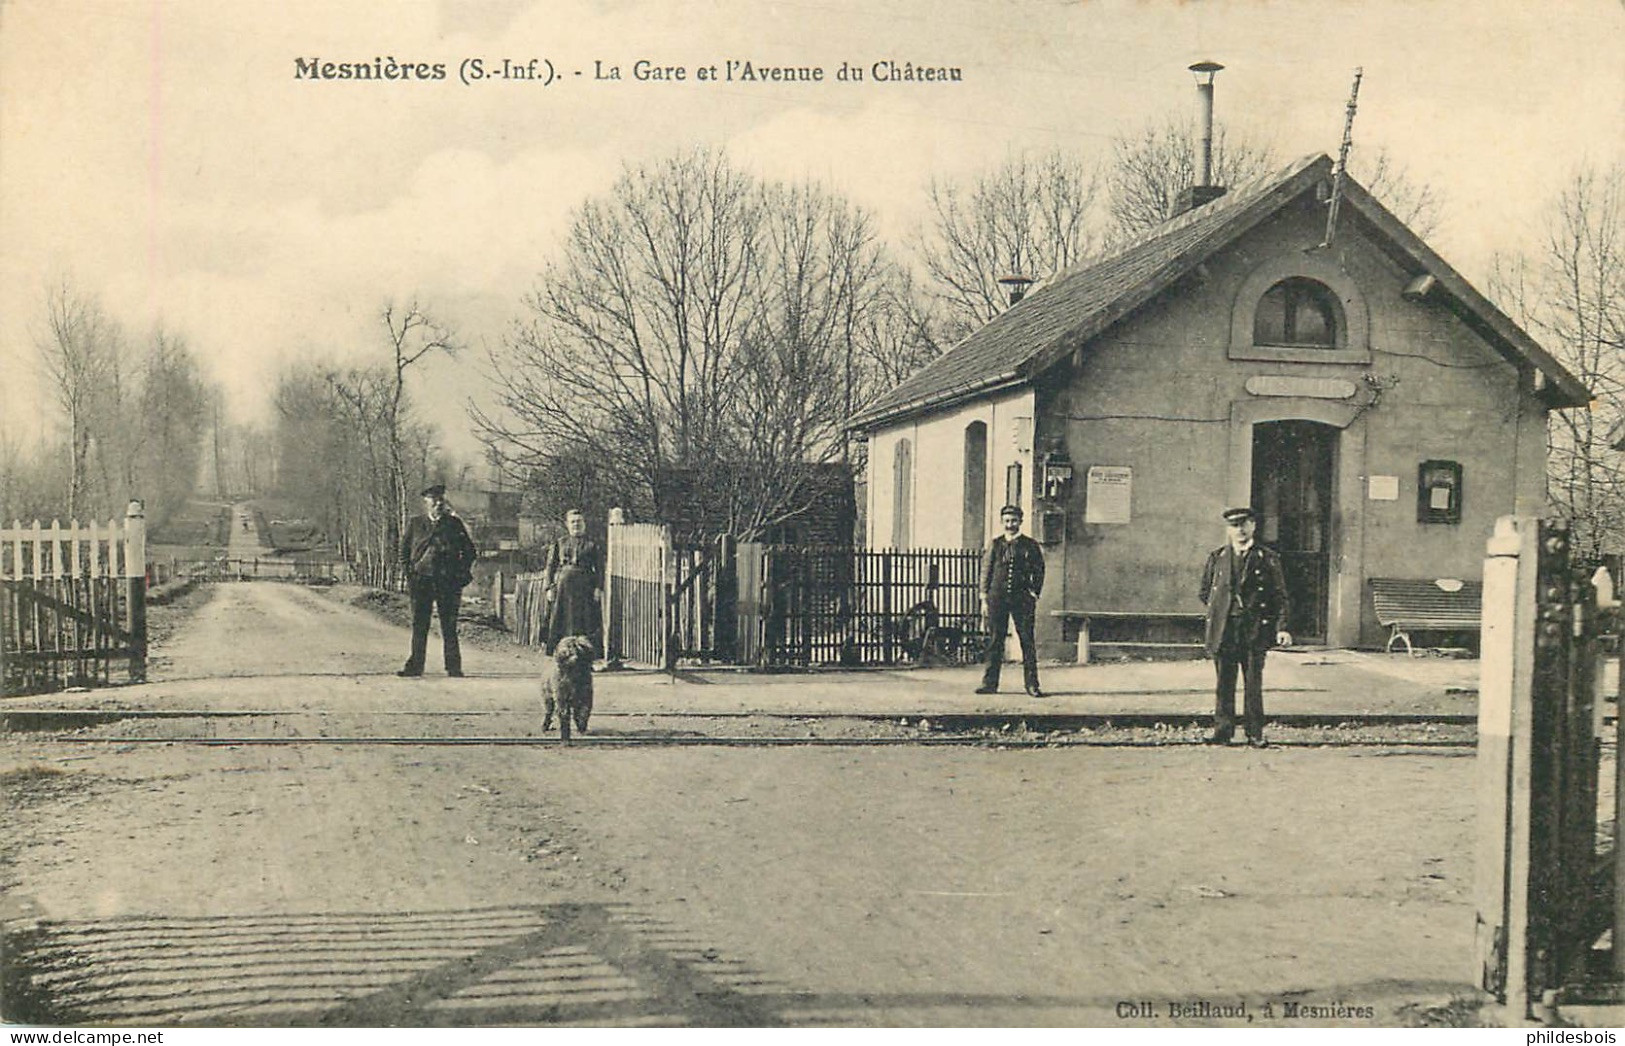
(73, 603)
(259, 568)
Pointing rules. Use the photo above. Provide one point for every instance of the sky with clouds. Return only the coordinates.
(164, 155)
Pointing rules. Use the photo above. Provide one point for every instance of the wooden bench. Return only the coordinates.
(1404, 606)
(1149, 621)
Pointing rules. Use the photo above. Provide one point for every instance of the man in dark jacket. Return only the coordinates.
(1247, 609)
(1012, 578)
(438, 557)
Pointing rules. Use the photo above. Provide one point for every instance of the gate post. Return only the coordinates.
(668, 637)
(1506, 667)
(725, 600)
(135, 581)
(612, 621)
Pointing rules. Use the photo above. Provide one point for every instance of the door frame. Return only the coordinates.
(1345, 545)
(1317, 449)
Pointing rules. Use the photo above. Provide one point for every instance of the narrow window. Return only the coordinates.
(902, 518)
(975, 523)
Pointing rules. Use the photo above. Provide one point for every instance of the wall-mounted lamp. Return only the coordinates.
(1419, 288)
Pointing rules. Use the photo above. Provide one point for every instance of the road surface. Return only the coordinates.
(359, 885)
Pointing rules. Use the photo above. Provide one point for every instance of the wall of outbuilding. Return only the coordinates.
(937, 449)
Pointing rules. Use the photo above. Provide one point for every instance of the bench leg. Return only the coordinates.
(1083, 642)
(1396, 634)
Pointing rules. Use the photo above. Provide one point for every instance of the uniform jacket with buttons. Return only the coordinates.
(1013, 569)
(438, 550)
(1257, 604)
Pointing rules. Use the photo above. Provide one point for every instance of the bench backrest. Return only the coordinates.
(1398, 600)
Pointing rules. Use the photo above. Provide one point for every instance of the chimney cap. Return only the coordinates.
(1016, 284)
(1207, 66)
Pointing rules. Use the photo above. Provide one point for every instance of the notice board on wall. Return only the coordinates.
(1110, 491)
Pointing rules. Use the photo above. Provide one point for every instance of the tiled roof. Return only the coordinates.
(1078, 304)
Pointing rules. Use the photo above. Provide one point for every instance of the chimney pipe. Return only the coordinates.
(1205, 71)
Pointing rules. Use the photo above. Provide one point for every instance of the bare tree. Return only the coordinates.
(133, 416)
(172, 408)
(1386, 178)
(28, 487)
(77, 355)
(899, 336)
(697, 322)
(1150, 168)
(413, 334)
(1571, 295)
(1033, 216)
(330, 457)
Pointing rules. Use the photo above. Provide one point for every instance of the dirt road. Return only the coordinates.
(413, 885)
(278, 630)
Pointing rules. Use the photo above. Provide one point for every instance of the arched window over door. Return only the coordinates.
(902, 516)
(975, 523)
(1298, 312)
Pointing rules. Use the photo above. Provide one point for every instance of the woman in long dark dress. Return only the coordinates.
(573, 575)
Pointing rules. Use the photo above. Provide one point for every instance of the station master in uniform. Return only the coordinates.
(1245, 594)
(1012, 578)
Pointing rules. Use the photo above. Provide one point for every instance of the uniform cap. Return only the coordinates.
(1236, 515)
(437, 490)
(1010, 510)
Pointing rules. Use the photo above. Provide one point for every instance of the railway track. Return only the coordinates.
(487, 727)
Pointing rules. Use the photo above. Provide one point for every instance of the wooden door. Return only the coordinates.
(1292, 490)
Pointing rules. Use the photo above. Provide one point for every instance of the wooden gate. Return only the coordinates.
(668, 596)
(1545, 890)
(637, 579)
(73, 604)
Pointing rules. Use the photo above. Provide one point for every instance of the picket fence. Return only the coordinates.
(73, 603)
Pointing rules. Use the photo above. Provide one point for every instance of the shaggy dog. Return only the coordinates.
(567, 690)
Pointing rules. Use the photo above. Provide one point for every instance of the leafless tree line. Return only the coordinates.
(1570, 294)
(130, 419)
(703, 323)
(347, 450)
(1037, 215)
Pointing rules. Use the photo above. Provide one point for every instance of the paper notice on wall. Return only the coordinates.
(1109, 494)
(1439, 498)
(1384, 488)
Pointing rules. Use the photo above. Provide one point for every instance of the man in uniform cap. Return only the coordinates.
(1012, 578)
(1247, 609)
(438, 557)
